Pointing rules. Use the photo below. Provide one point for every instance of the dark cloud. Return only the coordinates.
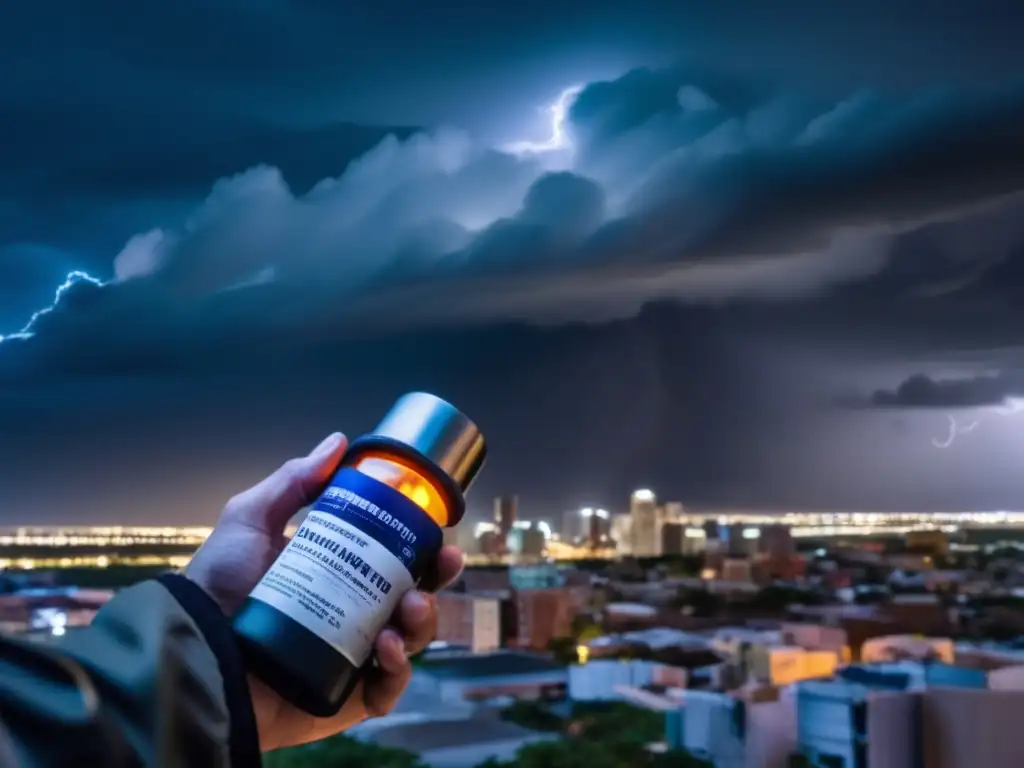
(921, 391)
(678, 185)
(817, 200)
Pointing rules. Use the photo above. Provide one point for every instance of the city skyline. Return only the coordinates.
(714, 250)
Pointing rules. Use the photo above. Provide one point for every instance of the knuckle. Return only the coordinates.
(234, 506)
(290, 471)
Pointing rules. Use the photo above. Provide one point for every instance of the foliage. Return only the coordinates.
(576, 752)
(596, 735)
(341, 752)
(602, 720)
(533, 715)
(563, 649)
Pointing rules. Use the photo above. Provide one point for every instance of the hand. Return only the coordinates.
(248, 538)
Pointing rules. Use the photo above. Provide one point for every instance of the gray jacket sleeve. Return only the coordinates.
(155, 680)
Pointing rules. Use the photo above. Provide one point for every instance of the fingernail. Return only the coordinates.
(326, 446)
(399, 644)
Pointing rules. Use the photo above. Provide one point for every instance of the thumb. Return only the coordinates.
(271, 503)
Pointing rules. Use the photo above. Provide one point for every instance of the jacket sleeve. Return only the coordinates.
(155, 680)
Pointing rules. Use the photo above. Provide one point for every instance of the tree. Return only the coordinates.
(605, 720)
(589, 633)
(532, 715)
(341, 752)
(582, 753)
(597, 735)
(563, 649)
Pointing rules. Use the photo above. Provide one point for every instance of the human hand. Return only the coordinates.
(248, 538)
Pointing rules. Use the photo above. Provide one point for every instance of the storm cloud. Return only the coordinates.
(668, 184)
(921, 391)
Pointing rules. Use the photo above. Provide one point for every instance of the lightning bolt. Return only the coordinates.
(28, 330)
(1011, 407)
(559, 139)
(955, 431)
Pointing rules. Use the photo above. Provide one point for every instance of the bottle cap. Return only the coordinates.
(437, 431)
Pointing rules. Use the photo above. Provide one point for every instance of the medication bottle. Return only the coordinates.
(309, 626)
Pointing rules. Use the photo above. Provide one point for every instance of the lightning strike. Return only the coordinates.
(559, 139)
(28, 330)
(1011, 407)
(955, 431)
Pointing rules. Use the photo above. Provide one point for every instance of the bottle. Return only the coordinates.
(308, 628)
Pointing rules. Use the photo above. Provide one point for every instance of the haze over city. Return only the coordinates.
(754, 255)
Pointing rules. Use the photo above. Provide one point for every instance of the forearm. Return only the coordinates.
(152, 681)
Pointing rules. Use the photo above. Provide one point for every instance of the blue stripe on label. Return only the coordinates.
(381, 512)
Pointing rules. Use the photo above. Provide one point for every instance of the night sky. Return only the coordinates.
(771, 255)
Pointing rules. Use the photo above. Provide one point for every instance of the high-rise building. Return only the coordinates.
(589, 527)
(598, 528)
(672, 538)
(527, 540)
(574, 526)
(505, 514)
(674, 512)
(488, 540)
(643, 510)
(621, 532)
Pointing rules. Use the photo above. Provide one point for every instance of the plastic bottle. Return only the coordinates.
(308, 627)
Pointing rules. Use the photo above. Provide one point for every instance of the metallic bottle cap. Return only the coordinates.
(437, 431)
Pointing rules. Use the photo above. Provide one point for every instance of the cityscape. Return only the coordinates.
(709, 308)
(710, 638)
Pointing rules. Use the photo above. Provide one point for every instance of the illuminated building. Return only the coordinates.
(488, 540)
(643, 511)
(673, 512)
(527, 539)
(621, 532)
(505, 514)
(679, 538)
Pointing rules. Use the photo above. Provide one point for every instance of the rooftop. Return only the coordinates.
(498, 664)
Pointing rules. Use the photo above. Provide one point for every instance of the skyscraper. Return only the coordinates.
(621, 531)
(587, 527)
(598, 528)
(643, 511)
(505, 514)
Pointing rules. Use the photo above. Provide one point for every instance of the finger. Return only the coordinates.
(446, 568)
(416, 619)
(450, 564)
(390, 650)
(385, 683)
(271, 503)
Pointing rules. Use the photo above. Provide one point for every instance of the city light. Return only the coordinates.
(643, 494)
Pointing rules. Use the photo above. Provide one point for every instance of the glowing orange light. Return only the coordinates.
(408, 481)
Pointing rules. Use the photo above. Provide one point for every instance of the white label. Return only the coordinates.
(337, 582)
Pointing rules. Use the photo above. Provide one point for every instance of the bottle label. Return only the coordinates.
(362, 546)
